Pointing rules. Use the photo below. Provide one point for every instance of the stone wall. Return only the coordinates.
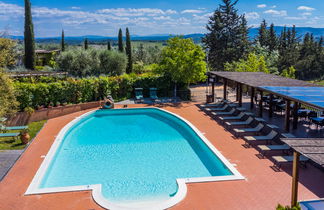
(23, 118)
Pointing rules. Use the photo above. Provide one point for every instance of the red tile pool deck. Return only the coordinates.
(263, 188)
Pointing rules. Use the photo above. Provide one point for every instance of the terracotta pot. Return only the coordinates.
(25, 138)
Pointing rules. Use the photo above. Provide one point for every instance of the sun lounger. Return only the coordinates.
(13, 135)
(267, 148)
(271, 136)
(139, 94)
(312, 204)
(240, 123)
(279, 160)
(217, 104)
(153, 94)
(224, 108)
(241, 131)
(224, 113)
(238, 117)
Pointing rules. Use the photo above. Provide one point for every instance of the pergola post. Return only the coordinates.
(287, 116)
(295, 174)
(252, 97)
(237, 91)
(295, 115)
(270, 105)
(240, 94)
(225, 89)
(213, 90)
(261, 104)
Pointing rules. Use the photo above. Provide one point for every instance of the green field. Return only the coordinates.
(11, 144)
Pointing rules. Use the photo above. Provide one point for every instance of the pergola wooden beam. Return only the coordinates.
(295, 115)
(287, 116)
(240, 94)
(295, 176)
(225, 89)
(261, 104)
(270, 105)
(252, 97)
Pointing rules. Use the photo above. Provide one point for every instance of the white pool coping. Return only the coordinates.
(96, 188)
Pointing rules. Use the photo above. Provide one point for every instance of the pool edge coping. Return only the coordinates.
(96, 188)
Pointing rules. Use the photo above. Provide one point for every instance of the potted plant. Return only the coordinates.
(24, 136)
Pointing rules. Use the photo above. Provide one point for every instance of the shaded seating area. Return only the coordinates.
(152, 95)
(278, 96)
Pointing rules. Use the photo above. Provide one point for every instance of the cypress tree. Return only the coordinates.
(62, 42)
(129, 67)
(108, 45)
(227, 37)
(86, 44)
(263, 34)
(272, 39)
(120, 41)
(29, 38)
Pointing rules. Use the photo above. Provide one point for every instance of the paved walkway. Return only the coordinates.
(262, 189)
(7, 159)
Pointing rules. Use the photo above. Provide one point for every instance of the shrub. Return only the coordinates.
(8, 103)
(33, 93)
(280, 207)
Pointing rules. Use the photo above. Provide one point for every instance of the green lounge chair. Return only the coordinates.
(153, 94)
(139, 94)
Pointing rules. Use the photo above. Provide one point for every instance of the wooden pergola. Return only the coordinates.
(256, 81)
(310, 148)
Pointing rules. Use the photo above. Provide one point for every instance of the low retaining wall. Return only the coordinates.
(23, 118)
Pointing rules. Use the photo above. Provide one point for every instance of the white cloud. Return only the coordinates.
(305, 8)
(273, 12)
(307, 14)
(162, 18)
(262, 6)
(252, 15)
(76, 8)
(194, 11)
(136, 12)
(274, 6)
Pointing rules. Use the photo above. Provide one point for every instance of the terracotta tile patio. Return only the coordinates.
(263, 188)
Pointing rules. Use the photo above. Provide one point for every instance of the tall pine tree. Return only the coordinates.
(129, 67)
(227, 37)
(262, 37)
(272, 38)
(86, 44)
(62, 42)
(29, 38)
(120, 41)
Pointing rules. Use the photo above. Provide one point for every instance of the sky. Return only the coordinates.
(149, 17)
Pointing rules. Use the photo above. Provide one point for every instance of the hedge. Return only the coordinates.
(69, 90)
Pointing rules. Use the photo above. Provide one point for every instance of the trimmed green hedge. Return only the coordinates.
(47, 92)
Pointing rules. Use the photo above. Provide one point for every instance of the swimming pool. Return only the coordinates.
(130, 158)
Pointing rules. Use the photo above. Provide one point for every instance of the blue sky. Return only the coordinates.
(146, 17)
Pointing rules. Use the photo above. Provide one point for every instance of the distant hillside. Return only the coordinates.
(318, 32)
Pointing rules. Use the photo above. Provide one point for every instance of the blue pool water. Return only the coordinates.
(136, 154)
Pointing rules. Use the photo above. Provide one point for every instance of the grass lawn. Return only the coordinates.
(320, 82)
(10, 144)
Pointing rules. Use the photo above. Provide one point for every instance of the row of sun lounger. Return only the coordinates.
(244, 124)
